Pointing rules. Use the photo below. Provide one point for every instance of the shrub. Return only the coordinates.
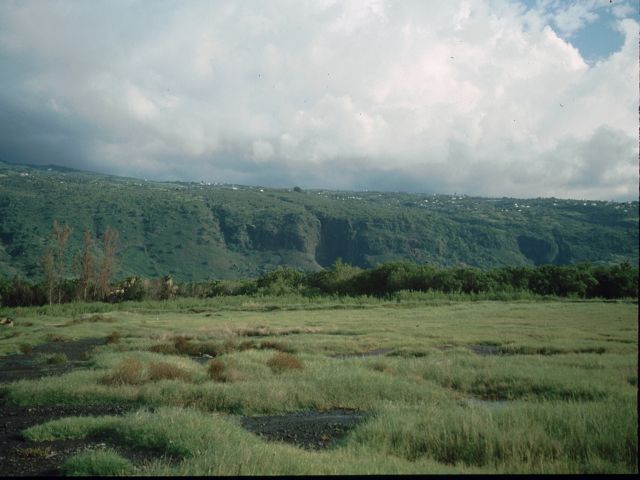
(182, 344)
(129, 372)
(215, 369)
(166, 371)
(284, 361)
(25, 348)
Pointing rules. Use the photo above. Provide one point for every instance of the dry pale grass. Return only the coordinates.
(167, 371)
(128, 372)
(282, 361)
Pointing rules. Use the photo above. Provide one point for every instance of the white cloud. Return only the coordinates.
(477, 97)
(623, 10)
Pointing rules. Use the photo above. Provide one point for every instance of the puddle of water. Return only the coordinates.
(311, 430)
(371, 353)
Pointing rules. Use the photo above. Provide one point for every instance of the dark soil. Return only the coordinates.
(28, 366)
(21, 457)
(311, 430)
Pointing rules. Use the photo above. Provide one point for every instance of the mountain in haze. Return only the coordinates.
(197, 231)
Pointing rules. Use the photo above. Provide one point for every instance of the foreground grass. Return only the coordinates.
(562, 397)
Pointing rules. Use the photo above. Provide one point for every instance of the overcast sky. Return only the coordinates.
(517, 98)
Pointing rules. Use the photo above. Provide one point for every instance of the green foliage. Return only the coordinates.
(581, 280)
(105, 462)
(196, 232)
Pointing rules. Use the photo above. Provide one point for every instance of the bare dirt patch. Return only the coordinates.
(21, 457)
(311, 430)
(30, 365)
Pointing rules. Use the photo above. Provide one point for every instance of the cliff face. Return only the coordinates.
(196, 231)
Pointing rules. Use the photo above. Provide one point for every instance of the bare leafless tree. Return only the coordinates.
(87, 265)
(109, 240)
(49, 273)
(61, 236)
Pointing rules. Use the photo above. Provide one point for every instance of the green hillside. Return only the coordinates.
(196, 231)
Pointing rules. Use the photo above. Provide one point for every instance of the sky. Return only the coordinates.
(518, 98)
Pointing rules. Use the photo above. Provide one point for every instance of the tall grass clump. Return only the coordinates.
(129, 372)
(167, 371)
(218, 371)
(282, 361)
(105, 462)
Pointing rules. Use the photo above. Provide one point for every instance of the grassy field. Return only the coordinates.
(462, 387)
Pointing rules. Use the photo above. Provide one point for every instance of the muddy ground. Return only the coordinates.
(311, 430)
(21, 457)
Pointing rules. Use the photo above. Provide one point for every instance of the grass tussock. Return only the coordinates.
(282, 361)
(25, 348)
(105, 462)
(167, 371)
(279, 346)
(262, 331)
(218, 371)
(129, 372)
(57, 338)
(57, 359)
(185, 345)
(113, 337)
(182, 345)
(164, 348)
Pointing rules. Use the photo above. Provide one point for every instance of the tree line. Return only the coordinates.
(94, 272)
(577, 280)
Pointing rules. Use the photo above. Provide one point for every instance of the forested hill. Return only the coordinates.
(196, 231)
